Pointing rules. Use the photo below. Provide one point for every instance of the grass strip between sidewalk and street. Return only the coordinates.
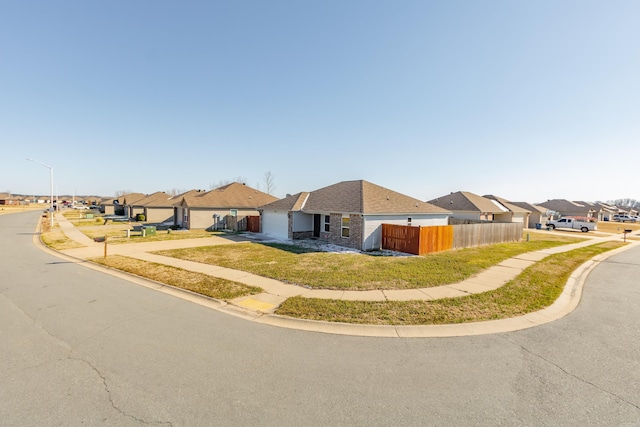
(203, 284)
(361, 271)
(535, 288)
(56, 239)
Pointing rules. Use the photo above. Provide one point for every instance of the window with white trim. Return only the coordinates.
(327, 222)
(346, 222)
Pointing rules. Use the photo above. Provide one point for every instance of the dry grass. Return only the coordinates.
(9, 209)
(195, 282)
(536, 288)
(617, 227)
(57, 240)
(116, 232)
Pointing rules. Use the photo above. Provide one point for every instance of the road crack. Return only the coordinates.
(109, 395)
(572, 375)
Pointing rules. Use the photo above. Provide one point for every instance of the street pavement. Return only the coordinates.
(79, 347)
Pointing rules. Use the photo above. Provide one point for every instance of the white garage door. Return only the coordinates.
(275, 225)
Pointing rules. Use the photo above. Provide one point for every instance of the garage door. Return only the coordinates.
(275, 225)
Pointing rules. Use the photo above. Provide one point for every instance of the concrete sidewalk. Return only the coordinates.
(260, 307)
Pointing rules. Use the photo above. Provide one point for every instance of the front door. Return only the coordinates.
(316, 225)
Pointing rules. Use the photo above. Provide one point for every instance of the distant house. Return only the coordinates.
(625, 210)
(468, 206)
(8, 199)
(156, 207)
(565, 207)
(537, 215)
(162, 208)
(518, 213)
(220, 208)
(601, 211)
(120, 204)
(349, 213)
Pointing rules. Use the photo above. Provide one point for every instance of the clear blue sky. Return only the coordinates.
(524, 100)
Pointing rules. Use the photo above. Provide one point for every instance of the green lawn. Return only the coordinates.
(306, 267)
(536, 288)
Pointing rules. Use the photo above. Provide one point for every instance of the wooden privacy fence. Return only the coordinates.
(246, 223)
(425, 240)
(417, 240)
(488, 233)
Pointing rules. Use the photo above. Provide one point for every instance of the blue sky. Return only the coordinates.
(524, 100)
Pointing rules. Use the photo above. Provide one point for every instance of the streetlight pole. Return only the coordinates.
(50, 184)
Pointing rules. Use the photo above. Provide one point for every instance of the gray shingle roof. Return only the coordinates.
(530, 207)
(467, 202)
(562, 205)
(358, 196)
(152, 199)
(234, 195)
(507, 204)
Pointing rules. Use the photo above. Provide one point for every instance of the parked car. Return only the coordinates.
(625, 218)
(572, 223)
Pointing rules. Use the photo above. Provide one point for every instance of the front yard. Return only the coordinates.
(321, 270)
(536, 288)
(116, 232)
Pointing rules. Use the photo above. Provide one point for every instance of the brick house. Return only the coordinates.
(349, 213)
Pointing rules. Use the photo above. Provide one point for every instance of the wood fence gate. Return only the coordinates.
(253, 224)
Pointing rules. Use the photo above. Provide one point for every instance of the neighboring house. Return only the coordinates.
(139, 206)
(568, 208)
(180, 210)
(625, 210)
(349, 213)
(164, 209)
(537, 215)
(518, 213)
(468, 206)
(156, 207)
(220, 208)
(601, 211)
(8, 199)
(93, 201)
(119, 205)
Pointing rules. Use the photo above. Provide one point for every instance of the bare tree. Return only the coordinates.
(175, 191)
(269, 182)
(121, 193)
(627, 202)
(223, 182)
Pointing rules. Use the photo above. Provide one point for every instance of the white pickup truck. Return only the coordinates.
(573, 223)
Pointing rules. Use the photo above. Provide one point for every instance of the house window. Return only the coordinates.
(233, 212)
(409, 221)
(327, 221)
(345, 227)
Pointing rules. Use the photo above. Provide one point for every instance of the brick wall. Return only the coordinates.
(355, 231)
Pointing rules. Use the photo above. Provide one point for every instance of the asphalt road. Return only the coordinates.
(79, 347)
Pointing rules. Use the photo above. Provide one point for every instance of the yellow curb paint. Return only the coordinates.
(254, 304)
